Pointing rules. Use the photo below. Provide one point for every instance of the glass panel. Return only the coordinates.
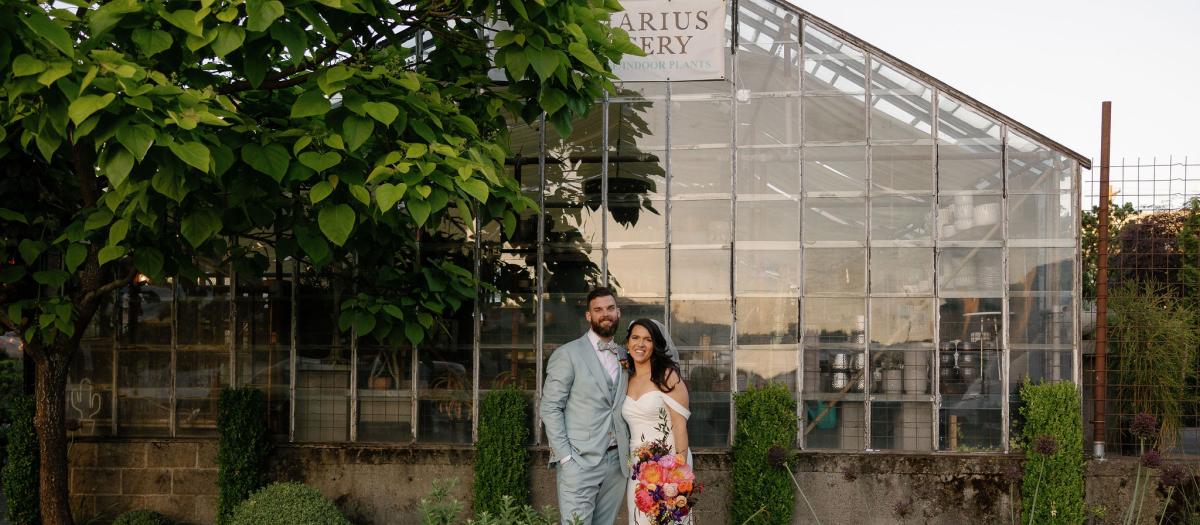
(970, 422)
(695, 122)
(572, 181)
(775, 272)
(144, 391)
(704, 272)
(572, 269)
(769, 68)
(834, 168)
(707, 374)
(444, 382)
(1041, 319)
(90, 384)
(834, 425)
(635, 220)
(901, 117)
(701, 171)
(1041, 216)
(969, 324)
(835, 219)
(701, 324)
(636, 126)
(902, 270)
(888, 79)
(200, 376)
(970, 167)
(903, 321)
(902, 373)
(841, 322)
(767, 321)
(902, 168)
(834, 118)
(638, 272)
(774, 171)
(901, 426)
(322, 360)
(764, 22)
(832, 65)
(902, 218)
(969, 217)
(1033, 168)
(701, 222)
(959, 123)
(833, 373)
(264, 341)
(970, 271)
(636, 176)
(769, 121)
(775, 221)
(564, 321)
(1037, 366)
(835, 270)
(639, 308)
(384, 393)
(144, 316)
(1041, 269)
(758, 367)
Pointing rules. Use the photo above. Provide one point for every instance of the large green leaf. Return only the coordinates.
(387, 195)
(137, 139)
(544, 61)
(357, 130)
(311, 103)
(116, 165)
(384, 112)
(83, 107)
(229, 38)
(320, 161)
(419, 209)
(41, 24)
(320, 191)
(200, 226)
(262, 13)
(271, 159)
(552, 99)
(76, 253)
(148, 261)
(25, 65)
(170, 182)
(193, 153)
(475, 188)
(110, 253)
(314, 245)
(186, 20)
(30, 250)
(118, 231)
(337, 222)
(109, 14)
(584, 55)
(152, 41)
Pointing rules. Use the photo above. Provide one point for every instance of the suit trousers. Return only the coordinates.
(592, 494)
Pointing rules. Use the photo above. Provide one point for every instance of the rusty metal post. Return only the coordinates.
(1099, 381)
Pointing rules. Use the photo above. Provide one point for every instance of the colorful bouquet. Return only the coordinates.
(666, 486)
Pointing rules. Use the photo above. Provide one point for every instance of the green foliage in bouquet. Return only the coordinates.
(766, 417)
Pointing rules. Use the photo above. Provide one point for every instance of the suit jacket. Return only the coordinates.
(581, 408)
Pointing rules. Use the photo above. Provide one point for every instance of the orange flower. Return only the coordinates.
(685, 486)
(644, 501)
(651, 473)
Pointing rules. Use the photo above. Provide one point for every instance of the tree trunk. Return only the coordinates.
(50, 421)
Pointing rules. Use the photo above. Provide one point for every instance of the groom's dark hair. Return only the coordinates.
(599, 291)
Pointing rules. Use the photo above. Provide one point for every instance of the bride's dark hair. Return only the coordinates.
(660, 360)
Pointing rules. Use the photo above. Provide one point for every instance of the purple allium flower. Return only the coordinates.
(1046, 445)
(1144, 425)
(777, 456)
(1174, 475)
(1152, 459)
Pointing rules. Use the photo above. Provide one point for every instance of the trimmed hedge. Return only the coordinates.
(20, 475)
(142, 517)
(243, 448)
(500, 456)
(287, 504)
(766, 417)
(1052, 409)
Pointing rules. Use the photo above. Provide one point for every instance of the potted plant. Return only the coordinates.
(891, 365)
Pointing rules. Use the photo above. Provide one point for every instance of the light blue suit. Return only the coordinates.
(581, 408)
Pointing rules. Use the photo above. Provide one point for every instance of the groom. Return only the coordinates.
(581, 408)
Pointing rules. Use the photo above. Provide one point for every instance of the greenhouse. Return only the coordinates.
(824, 215)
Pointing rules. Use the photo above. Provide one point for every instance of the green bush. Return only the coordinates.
(287, 504)
(20, 475)
(243, 448)
(1189, 244)
(142, 517)
(500, 455)
(1052, 409)
(766, 417)
(10, 391)
(1154, 339)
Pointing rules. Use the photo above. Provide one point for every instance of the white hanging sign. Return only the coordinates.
(682, 39)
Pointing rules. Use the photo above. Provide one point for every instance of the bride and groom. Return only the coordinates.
(600, 401)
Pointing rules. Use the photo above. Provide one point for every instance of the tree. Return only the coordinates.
(1117, 217)
(146, 136)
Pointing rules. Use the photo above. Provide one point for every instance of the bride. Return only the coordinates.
(655, 386)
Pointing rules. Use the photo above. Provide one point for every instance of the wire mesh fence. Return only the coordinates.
(1152, 362)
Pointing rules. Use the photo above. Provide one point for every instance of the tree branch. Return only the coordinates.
(93, 295)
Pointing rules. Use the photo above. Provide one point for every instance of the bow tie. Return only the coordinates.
(607, 347)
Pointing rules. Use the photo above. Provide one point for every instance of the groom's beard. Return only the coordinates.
(604, 331)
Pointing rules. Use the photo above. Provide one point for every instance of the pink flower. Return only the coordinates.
(644, 501)
(670, 490)
(651, 473)
(667, 462)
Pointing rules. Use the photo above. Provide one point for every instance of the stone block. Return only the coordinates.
(179, 508)
(171, 455)
(205, 511)
(206, 454)
(194, 481)
(96, 481)
(81, 455)
(146, 481)
(121, 455)
(112, 506)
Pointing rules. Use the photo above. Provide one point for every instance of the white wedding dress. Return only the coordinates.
(643, 415)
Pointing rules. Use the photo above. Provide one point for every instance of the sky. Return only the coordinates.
(1050, 63)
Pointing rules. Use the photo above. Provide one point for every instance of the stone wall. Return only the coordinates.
(384, 484)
